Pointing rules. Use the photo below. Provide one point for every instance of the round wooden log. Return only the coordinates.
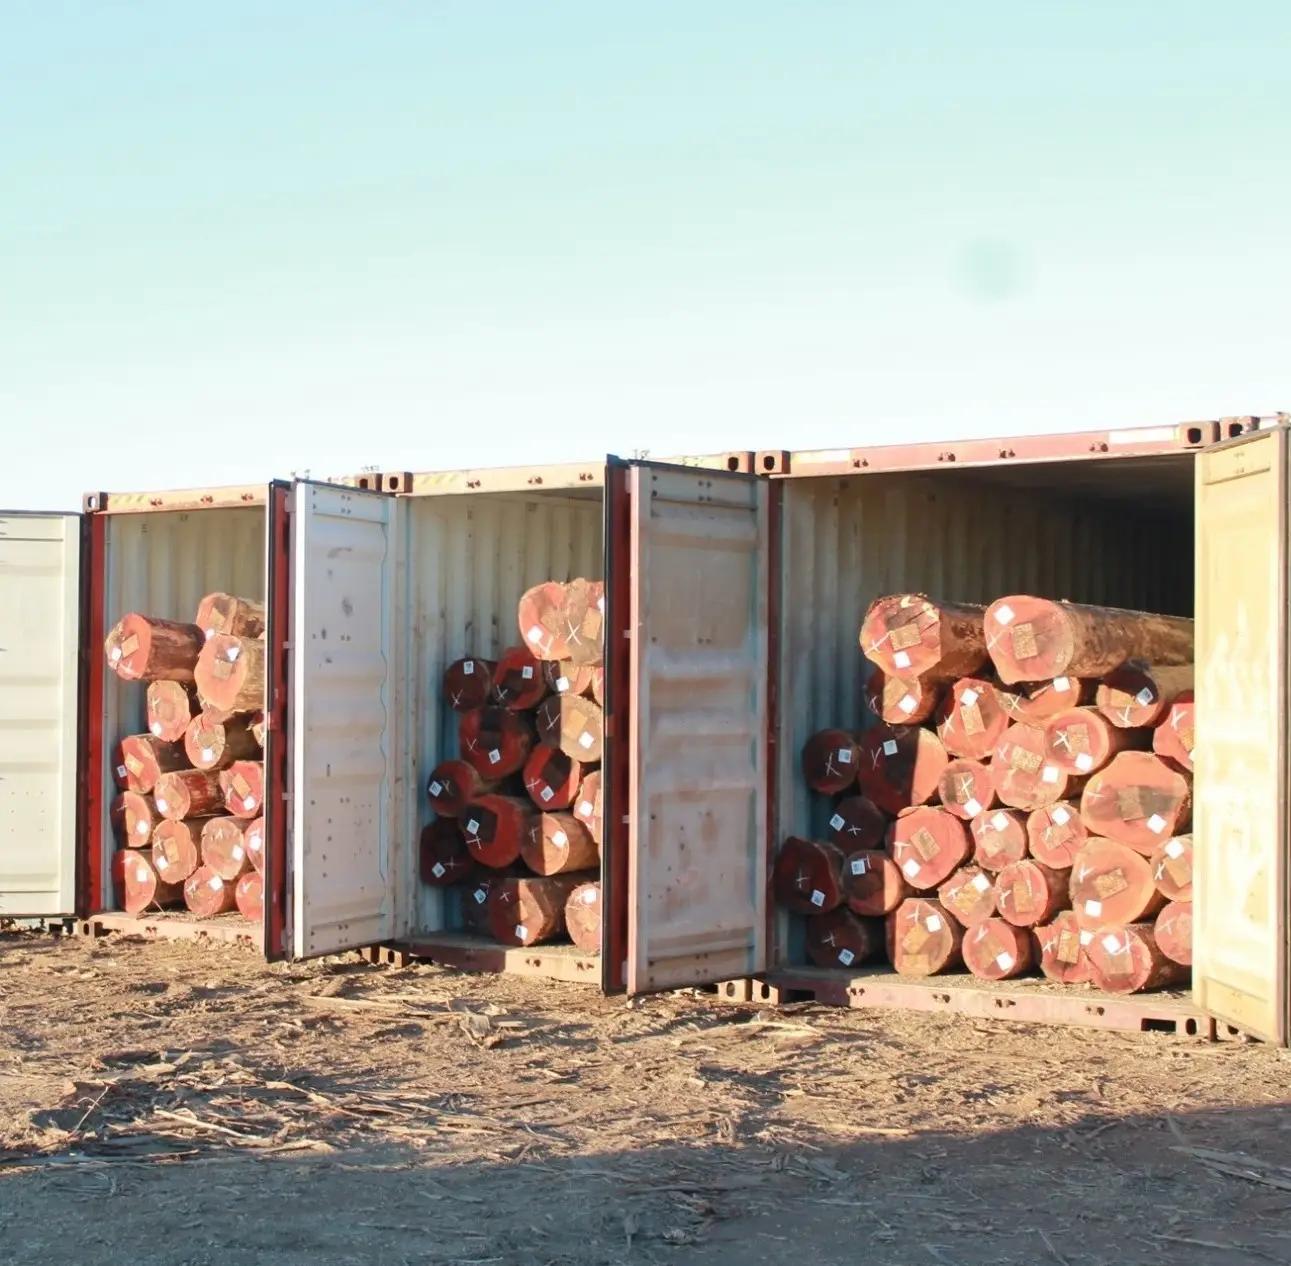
(248, 895)
(1037, 701)
(900, 767)
(134, 816)
(551, 778)
(971, 720)
(529, 911)
(142, 888)
(929, 845)
(1172, 868)
(1062, 949)
(583, 917)
(230, 674)
(574, 725)
(564, 621)
(1024, 777)
(188, 793)
(495, 827)
(911, 635)
(207, 895)
(901, 700)
(519, 682)
(808, 876)
(254, 837)
(841, 939)
(1138, 799)
(214, 745)
(1111, 884)
(143, 648)
(223, 613)
(258, 726)
(996, 950)
(557, 843)
(443, 858)
(224, 847)
(1038, 639)
(873, 884)
(587, 805)
(474, 899)
(1173, 929)
(1081, 741)
(1055, 834)
(967, 788)
(969, 894)
(468, 683)
(452, 784)
(923, 939)
(170, 706)
(177, 849)
(1175, 735)
(830, 760)
(566, 678)
(1127, 959)
(858, 823)
(999, 838)
(139, 760)
(242, 788)
(1028, 894)
(1136, 695)
(494, 741)
(598, 684)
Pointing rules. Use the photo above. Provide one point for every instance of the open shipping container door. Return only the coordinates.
(697, 800)
(40, 618)
(1240, 814)
(341, 726)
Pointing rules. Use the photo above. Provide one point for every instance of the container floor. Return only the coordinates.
(478, 953)
(174, 925)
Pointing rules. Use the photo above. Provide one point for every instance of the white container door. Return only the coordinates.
(697, 834)
(1240, 790)
(341, 848)
(40, 619)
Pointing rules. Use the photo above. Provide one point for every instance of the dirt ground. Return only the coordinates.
(185, 1105)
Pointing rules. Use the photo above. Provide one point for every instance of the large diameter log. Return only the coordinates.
(564, 621)
(971, 720)
(900, 767)
(1111, 884)
(573, 724)
(901, 700)
(1137, 695)
(259, 726)
(1055, 834)
(551, 778)
(1081, 741)
(188, 793)
(177, 849)
(453, 784)
(1037, 701)
(1062, 949)
(531, 910)
(248, 895)
(224, 613)
(224, 848)
(143, 648)
(207, 895)
(1028, 894)
(468, 683)
(141, 887)
(1024, 776)
(598, 684)
(213, 745)
(230, 674)
(495, 827)
(1175, 734)
(134, 816)
(841, 939)
(996, 950)
(1173, 929)
(1172, 868)
(587, 804)
(967, 788)
(170, 706)
(830, 760)
(139, 760)
(495, 742)
(242, 788)
(873, 884)
(254, 837)
(1138, 799)
(969, 894)
(443, 857)
(999, 838)
(1128, 959)
(1038, 639)
(808, 876)
(911, 635)
(923, 939)
(929, 845)
(474, 899)
(567, 678)
(519, 682)
(858, 823)
(557, 843)
(583, 917)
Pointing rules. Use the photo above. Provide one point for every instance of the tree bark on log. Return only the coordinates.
(224, 848)
(139, 760)
(573, 724)
(911, 635)
(207, 895)
(1062, 949)
(873, 884)
(1028, 894)
(583, 917)
(248, 896)
(900, 767)
(223, 613)
(1080, 741)
(530, 911)
(468, 683)
(808, 876)
(923, 939)
(1036, 701)
(901, 700)
(1038, 639)
(557, 843)
(830, 760)
(564, 621)
(1055, 834)
(254, 836)
(1137, 695)
(1172, 868)
(1111, 885)
(564, 677)
(999, 838)
(1128, 959)
(242, 788)
(443, 858)
(929, 845)
(967, 788)
(1024, 776)
(1173, 930)
(453, 784)
(969, 894)
(188, 793)
(143, 648)
(587, 807)
(1138, 799)
(142, 888)
(552, 779)
(519, 682)
(996, 950)
(1175, 735)
(230, 674)
(494, 742)
(971, 720)
(170, 706)
(135, 817)
(858, 823)
(177, 849)
(495, 827)
(842, 939)
(213, 745)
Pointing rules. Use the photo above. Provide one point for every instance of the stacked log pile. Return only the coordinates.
(1021, 803)
(188, 816)
(516, 835)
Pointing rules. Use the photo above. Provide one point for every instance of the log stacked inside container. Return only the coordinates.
(191, 789)
(1019, 803)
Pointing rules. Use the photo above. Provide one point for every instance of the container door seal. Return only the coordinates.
(40, 682)
(341, 712)
(1240, 792)
(697, 744)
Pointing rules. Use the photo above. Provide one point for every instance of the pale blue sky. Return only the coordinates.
(242, 239)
